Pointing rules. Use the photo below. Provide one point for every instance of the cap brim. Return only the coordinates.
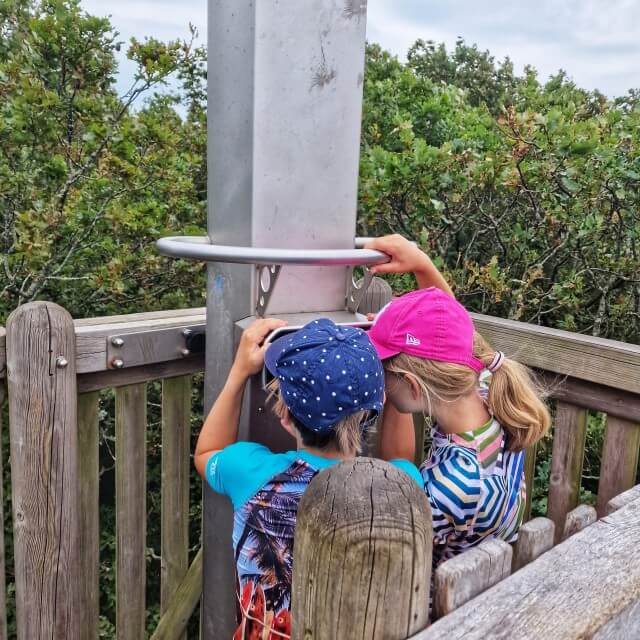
(383, 351)
(273, 351)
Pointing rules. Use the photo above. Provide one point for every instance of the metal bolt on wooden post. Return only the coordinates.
(362, 556)
(44, 472)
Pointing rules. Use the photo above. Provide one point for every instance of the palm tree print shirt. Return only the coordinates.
(265, 489)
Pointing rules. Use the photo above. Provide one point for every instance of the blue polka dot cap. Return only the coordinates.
(327, 373)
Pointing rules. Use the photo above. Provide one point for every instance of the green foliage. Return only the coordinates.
(533, 213)
(86, 182)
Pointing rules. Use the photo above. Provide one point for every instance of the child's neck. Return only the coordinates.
(465, 414)
(326, 453)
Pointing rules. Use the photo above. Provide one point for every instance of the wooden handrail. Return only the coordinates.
(596, 360)
(586, 587)
(606, 362)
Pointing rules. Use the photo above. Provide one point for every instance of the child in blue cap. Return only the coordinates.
(328, 387)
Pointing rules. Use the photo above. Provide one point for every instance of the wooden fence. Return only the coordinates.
(54, 368)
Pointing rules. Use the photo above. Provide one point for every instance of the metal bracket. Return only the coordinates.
(357, 290)
(266, 276)
(149, 347)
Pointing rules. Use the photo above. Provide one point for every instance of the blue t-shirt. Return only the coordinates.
(265, 489)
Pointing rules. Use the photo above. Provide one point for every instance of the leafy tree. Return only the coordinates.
(533, 212)
(485, 81)
(86, 182)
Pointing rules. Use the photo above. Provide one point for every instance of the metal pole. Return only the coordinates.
(284, 110)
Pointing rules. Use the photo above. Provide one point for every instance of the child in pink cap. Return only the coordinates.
(485, 408)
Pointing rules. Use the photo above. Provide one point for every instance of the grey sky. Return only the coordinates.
(596, 41)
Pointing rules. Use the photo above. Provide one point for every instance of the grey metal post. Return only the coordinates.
(284, 109)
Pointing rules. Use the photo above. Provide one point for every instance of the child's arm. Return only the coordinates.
(221, 426)
(407, 257)
(398, 437)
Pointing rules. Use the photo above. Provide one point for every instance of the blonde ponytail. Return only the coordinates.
(515, 400)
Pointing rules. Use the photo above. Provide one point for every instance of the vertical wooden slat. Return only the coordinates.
(176, 417)
(88, 472)
(569, 437)
(623, 499)
(131, 511)
(578, 519)
(41, 375)
(529, 476)
(467, 575)
(619, 460)
(534, 538)
(3, 593)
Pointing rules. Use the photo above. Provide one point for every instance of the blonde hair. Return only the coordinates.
(515, 399)
(346, 435)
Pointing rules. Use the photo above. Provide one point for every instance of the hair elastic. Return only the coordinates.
(497, 362)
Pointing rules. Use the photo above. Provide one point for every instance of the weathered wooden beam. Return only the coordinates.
(585, 586)
(92, 338)
(615, 365)
(530, 477)
(613, 402)
(122, 377)
(534, 538)
(363, 541)
(173, 622)
(131, 512)
(608, 362)
(619, 464)
(176, 432)
(569, 436)
(44, 471)
(89, 476)
(467, 575)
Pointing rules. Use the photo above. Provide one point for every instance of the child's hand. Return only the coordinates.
(250, 355)
(406, 257)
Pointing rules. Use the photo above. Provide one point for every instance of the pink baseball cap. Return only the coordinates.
(428, 324)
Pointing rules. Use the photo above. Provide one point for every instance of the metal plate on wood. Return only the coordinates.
(148, 347)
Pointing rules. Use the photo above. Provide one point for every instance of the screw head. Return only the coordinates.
(61, 362)
(117, 342)
(117, 363)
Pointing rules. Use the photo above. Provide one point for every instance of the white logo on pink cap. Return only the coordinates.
(412, 340)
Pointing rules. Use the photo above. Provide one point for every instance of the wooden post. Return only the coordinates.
(362, 557)
(467, 575)
(176, 465)
(3, 591)
(89, 474)
(570, 432)
(530, 477)
(44, 467)
(619, 460)
(131, 511)
(534, 538)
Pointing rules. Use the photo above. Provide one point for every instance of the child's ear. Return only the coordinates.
(416, 389)
(287, 423)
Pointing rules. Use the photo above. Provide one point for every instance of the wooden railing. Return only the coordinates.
(57, 366)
